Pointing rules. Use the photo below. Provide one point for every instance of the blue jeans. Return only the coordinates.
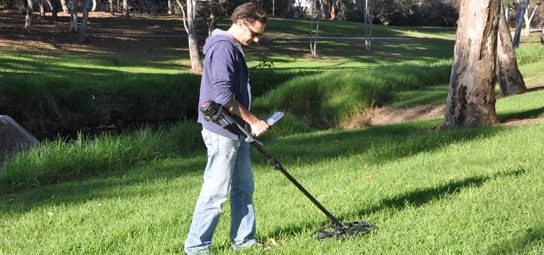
(229, 164)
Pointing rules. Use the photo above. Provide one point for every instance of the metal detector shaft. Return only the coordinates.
(273, 162)
(277, 165)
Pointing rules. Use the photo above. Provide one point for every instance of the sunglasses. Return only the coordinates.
(253, 33)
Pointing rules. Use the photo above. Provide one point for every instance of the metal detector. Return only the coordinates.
(217, 114)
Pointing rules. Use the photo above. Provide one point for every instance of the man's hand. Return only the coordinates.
(259, 127)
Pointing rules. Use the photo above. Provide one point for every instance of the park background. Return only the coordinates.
(121, 158)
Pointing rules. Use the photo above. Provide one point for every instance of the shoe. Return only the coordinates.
(251, 244)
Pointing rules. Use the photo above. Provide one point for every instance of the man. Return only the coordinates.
(225, 80)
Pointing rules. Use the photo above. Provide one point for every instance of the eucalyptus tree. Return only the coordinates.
(368, 17)
(542, 38)
(471, 96)
(73, 16)
(534, 5)
(313, 38)
(112, 5)
(64, 6)
(510, 79)
(522, 8)
(125, 8)
(189, 23)
(29, 11)
(84, 19)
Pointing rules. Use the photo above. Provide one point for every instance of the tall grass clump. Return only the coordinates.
(529, 54)
(323, 100)
(59, 160)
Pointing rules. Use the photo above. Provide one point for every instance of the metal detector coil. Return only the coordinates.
(217, 114)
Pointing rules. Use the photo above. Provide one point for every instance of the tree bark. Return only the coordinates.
(522, 8)
(510, 78)
(64, 6)
(112, 10)
(312, 48)
(190, 29)
(54, 8)
(368, 24)
(542, 38)
(170, 7)
(528, 18)
(42, 8)
(125, 8)
(212, 19)
(95, 5)
(73, 17)
(471, 96)
(84, 19)
(29, 11)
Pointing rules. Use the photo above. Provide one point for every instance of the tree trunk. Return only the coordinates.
(73, 17)
(522, 8)
(510, 78)
(212, 20)
(95, 5)
(42, 8)
(528, 18)
(64, 6)
(190, 28)
(29, 11)
(290, 8)
(368, 24)
(312, 51)
(317, 28)
(332, 10)
(471, 96)
(125, 8)
(54, 8)
(112, 10)
(542, 38)
(170, 7)
(84, 19)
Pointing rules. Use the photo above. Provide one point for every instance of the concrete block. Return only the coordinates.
(13, 138)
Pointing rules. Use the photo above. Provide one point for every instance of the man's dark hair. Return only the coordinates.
(249, 13)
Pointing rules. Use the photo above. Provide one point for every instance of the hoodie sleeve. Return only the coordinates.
(223, 71)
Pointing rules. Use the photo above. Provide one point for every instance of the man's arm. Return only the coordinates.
(258, 126)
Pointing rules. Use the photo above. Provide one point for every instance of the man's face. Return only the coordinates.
(251, 32)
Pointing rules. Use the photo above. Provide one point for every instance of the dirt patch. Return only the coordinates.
(387, 115)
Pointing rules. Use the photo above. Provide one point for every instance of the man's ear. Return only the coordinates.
(240, 23)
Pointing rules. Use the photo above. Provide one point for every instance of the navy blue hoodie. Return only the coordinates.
(225, 76)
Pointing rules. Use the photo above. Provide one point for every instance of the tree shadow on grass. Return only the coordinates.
(417, 198)
(423, 196)
(522, 244)
(521, 115)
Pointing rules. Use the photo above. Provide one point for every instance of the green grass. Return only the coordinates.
(472, 190)
(469, 191)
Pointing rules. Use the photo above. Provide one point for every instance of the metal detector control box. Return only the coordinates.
(272, 119)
